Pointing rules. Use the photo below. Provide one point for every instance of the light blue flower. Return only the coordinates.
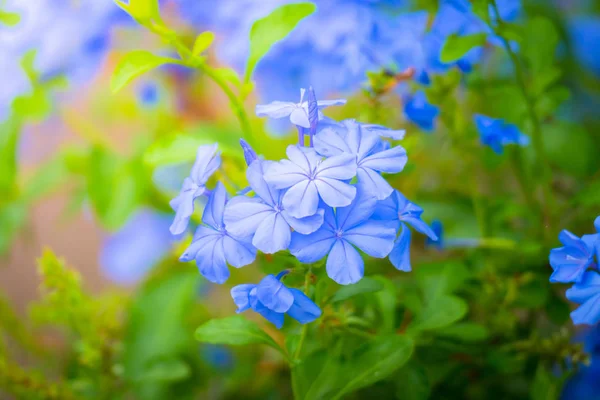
(399, 209)
(587, 293)
(213, 247)
(297, 112)
(207, 162)
(249, 153)
(342, 232)
(128, 254)
(496, 133)
(420, 112)
(309, 178)
(571, 261)
(272, 299)
(263, 217)
(368, 150)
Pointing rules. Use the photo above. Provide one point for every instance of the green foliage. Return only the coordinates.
(456, 46)
(267, 31)
(365, 285)
(203, 42)
(9, 19)
(134, 64)
(146, 12)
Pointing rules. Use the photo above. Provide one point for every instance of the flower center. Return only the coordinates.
(339, 233)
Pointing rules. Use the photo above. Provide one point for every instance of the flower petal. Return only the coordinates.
(202, 237)
(328, 143)
(299, 117)
(313, 247)
(274, 295)
(584, 290)
(304, 157)
(372, 182)
(241, 296)
(238, 252)
(303, 310)
(359, 211)
(183, 205)
(389, 161)
(342, 166)
(344, 263)
(211, 262)
(284, 174)
(335, 193)
(376, 238)
(302, 199)
(328, 103)
(395, 134)
(207, 162)
(273, 234)
(588, 313)
(244, 214)
(400, 254)
(276, 109)
(361, 142)
(215, 207)
(273, 317)
(256, 178)
(304, 225)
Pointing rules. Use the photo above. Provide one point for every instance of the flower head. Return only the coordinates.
(371, 155)
(496, 133)
(399, 208)
(207, 162)
(571, 261)
(420, 112)
(264, 217)
(587, 293)
(344, 230)
(213, 247)
(272, 299)
(309, 178)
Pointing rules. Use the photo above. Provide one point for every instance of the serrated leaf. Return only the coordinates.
(134, 64)
(267, 31)
(365, 285)
(456, 46)
(203, 42)
(235, 330)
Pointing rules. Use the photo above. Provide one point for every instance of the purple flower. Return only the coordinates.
(272, 299)
(571, 261)
(263, 217)
(399, 208)
(420, 112)
(368, 150)
(342, 231)
(587, 293)
(309, 178)
(297, 112)
(207, 162)
(213, 247)
(496, 133)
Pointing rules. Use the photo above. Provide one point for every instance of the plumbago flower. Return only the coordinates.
(272, 299)
(574, 262)
(496, 133)
(420, 112)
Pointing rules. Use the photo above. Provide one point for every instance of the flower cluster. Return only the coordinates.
(328, 200)
(574, 263)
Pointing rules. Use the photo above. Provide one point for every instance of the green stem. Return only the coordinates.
(305, 326)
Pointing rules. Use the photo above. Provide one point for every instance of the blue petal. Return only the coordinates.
(586, 289)
(238, 252)
(335, 193)
(299, 117)
(249, 154)
(215, 207)
(274, 295)
(273, 234)
(276, 109)
(342, 166)
(395, 134)
(376, 238)
(305, 225)
(183, 205)
(568, 266)
(302, 199)
(284, 174)
(389, 161)
(359, 211)
(328, 143)
(202, 236)
(241, 296)
(207, 162)
(313, 247)
(305, 158)
(211, 261)
(588, 313)
(371, 182)
(274, 317)
(400, 255)
(387, 209)
(255, 175)
(360, 141)
(344, 263)
(597, 224)
(303, 310)
(243, 215)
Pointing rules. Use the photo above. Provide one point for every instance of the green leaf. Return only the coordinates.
(539, 44)
(375, 361)
(12, 218)
(35, 106)
(544, 385)
(134, 64)
(412, 382)
(9, 19)
(47, 178)
(235, 330)
(438, 279)
(267, 31)
(443, 311)
(144, 11)
(203, 42)
(465, 332)
(570, 147)
(387, 299)
(456, 46)
(229, 75)
(166, 370)
(365, 285)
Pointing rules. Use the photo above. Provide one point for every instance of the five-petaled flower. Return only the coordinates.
(309, 178)
(342, 230)
(213, 247)
(496, 133)
(207, 162)
(587, 293)
(272, 299)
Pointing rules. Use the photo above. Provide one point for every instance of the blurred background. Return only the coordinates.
(88, 173)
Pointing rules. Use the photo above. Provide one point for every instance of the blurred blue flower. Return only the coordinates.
(399, 208)
(341, 232)
(310, 178)
(272, 299)
(148, 94)
(585, 36)
(496, 133)
(371, 157)
(586, 292)
(143, 241)
(438, 229)
(219, 357)
(585, 384)
(207, 162)
(420, 112)
(213, 247)
(263, 217)
(571, 261)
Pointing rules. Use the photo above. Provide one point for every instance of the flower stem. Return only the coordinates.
(305, 326)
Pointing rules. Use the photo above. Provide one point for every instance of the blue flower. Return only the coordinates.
(571, 261)
(142, 242)
(263, 217)
(587, 293)
(419, 111)
(342, 231)
(272, 299)
(249, 153)
(213, 247)
(297, 112)
(585, 384)
(207, 162)
(585, 36)
(438, 229)
(496, 133)
(148, 94)
(369, 152)
(309, 178)
(399, 208)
